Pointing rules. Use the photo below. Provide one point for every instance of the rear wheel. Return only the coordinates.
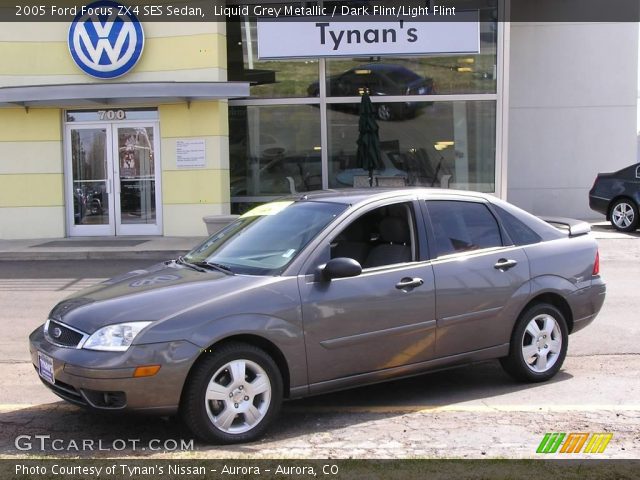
(538, 344)
(233, 395)
(624, 215)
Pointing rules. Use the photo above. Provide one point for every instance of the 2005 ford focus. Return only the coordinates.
(322, 292)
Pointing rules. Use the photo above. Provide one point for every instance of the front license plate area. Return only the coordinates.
(45, 367)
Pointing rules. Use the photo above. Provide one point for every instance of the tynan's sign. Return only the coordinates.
(106, 39)
(322, 37)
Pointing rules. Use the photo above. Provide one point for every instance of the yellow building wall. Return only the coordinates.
(38, 54)
(31, 174)
(31, 145)
(188, 194)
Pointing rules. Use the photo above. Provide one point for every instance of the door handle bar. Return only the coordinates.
(504, 264)
(407, 283)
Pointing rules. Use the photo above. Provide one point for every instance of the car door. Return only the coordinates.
(480, 279)
(380, 319)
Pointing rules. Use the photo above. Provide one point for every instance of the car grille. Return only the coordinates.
(60, 334)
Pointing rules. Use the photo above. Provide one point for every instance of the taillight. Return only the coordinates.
(596, 265)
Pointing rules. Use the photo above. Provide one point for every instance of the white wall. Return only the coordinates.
(573, 100)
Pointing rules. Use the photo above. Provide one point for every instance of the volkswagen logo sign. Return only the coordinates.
(105, 39)
(56, 333)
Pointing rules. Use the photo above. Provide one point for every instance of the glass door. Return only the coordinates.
(136, 169)
(113, 179)
(90, 209)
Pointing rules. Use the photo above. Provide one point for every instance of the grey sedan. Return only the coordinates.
(320, 292)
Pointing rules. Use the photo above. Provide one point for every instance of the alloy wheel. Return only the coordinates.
(384, 112)
(541, 343)
(622, 215)
(238, 396)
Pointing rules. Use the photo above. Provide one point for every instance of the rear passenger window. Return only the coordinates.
(517, 230)
(462, 226)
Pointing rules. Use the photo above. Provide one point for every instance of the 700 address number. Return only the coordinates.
(112, 115)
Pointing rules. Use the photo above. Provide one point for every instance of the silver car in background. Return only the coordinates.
(320, 292)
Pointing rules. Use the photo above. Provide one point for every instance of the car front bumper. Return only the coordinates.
(104, 380)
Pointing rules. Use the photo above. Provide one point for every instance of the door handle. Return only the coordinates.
(504, 264)
(409, 283)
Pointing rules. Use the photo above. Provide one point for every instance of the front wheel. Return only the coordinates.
(538, 344)
(624, 215)
(384, 112)
(233, 394)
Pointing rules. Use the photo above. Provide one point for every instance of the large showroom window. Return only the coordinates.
(297, 131)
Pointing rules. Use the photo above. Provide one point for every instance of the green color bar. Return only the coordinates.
(543, 443)
(550, 442)
(555, 446)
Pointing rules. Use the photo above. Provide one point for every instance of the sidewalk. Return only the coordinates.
(96, 248)
(155, 248)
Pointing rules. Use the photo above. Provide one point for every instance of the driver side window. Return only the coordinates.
(383, 236)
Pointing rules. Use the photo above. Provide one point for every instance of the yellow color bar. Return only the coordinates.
(598, 442)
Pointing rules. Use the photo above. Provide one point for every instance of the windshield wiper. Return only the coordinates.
(180, 260)
(214, 266)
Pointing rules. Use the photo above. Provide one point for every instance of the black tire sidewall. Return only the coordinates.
(516, 358)
(193, 406)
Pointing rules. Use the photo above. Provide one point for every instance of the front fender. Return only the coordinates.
(284, 335)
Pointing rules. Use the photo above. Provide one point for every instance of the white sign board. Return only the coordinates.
(321, 37)
(190, 153)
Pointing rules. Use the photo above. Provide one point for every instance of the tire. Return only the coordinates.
(624, 215)
(237, 410)
(384, 112)
(538, 344)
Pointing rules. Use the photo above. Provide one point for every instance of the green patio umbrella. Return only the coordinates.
(368, 154)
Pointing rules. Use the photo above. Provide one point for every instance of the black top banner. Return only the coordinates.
(366, 11)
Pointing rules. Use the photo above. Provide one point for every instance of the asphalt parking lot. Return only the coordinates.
(470, 412)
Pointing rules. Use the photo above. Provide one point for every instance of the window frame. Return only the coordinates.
(324, 101)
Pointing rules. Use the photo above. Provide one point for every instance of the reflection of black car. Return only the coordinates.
(89, 199)
(379, 79)
(617, 195)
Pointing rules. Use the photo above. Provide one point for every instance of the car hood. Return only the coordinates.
(158, 293)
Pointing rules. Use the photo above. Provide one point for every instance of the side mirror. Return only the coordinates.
(341, 267)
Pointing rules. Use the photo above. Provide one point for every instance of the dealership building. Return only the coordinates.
(140, 127)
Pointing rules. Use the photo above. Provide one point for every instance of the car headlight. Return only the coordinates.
(114, 338)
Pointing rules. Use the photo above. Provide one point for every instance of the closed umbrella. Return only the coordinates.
(368, 154)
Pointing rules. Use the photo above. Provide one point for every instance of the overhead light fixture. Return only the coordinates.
(465, 69)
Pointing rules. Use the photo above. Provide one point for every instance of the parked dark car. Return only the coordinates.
(323, 291)
(379, 79)
(617, 195)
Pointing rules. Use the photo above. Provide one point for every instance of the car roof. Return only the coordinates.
(381, 67)
(354, 196)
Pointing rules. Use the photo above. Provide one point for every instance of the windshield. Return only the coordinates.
(266, 239)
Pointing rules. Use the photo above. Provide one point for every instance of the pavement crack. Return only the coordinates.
(623, 354)
(11, 361)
